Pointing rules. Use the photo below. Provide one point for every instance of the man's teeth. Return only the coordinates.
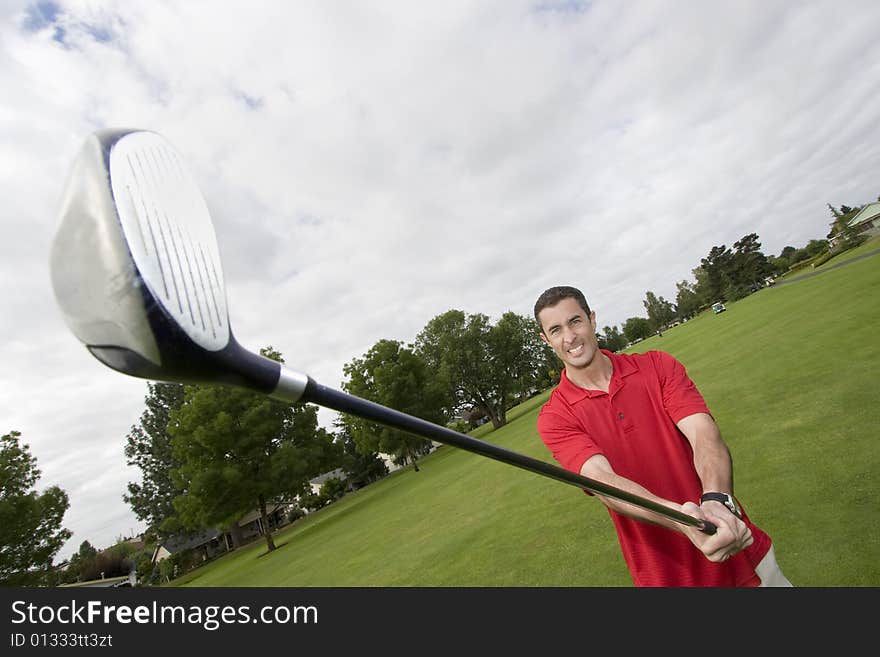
(576, 350)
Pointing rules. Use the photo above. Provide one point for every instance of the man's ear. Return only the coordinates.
(543, 337)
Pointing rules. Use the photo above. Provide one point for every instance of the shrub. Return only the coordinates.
(822, 259)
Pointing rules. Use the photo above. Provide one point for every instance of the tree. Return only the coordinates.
(90, 564)
(455, 347)
(660, 311)
(714, 268)
(516, 360)
(332, 490)
(360, 468)
(815, 247)
(787, 252)
(546, 363)
(687, 301)
(30, 523)
(82, 565)
(749, 266)
(238, 450)
(485, 366)
(778, 265)
(847, 236)
(394, 376)
(795, 256)
(148, 446)
(636, 328)
(611, 339)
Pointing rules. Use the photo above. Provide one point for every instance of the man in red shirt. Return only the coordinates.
(637, 422)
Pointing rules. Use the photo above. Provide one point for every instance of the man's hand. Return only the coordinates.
(732, 535)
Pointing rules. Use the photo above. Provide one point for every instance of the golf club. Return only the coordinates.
(136, 272)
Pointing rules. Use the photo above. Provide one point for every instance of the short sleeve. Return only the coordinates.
(570, 443)
(680, 395)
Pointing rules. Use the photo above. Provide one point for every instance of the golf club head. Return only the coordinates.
(136, 269)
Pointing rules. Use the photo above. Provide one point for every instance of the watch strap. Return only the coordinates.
(726, 499)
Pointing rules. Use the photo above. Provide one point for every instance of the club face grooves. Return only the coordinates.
(157, 197)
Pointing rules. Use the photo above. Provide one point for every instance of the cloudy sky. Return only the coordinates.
(370, 165)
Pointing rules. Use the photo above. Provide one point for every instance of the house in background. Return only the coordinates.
(866, 222)
(389, 459)
(318, 481)
(868, 219)
(209, 543)
(251, 524)
(104, 582)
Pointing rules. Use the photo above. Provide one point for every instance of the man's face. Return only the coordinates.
(571, 333)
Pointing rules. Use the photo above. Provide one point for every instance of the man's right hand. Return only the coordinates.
(732, 534)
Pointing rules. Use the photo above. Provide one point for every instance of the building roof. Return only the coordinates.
(338, 473)
(98, 583)
(185, 542)
(868, 212)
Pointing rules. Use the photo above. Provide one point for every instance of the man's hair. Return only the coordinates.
(554, 295)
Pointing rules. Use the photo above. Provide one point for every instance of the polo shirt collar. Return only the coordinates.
(622, 367)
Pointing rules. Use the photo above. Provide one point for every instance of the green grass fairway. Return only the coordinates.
(791, 375)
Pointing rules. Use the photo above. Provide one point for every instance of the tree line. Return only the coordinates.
(729, 274)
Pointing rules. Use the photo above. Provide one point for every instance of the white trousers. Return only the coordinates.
(769, 572)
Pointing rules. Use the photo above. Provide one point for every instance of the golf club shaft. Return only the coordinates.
(345, 403)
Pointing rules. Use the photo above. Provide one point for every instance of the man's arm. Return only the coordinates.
(711, 457)
(731, 536)
(714, 467)
(599, 468)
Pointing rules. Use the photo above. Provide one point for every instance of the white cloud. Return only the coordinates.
(369, 166)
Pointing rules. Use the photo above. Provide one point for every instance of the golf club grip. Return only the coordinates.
(345, 403)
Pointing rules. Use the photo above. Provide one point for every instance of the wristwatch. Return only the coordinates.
(725, 499)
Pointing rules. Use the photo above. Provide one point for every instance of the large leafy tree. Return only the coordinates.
(455, 347)
(727, 275)
(715, 267)
(394, 376)
(30, 522)
(89, 563)
(237, 450)
(660, 311)
(636, 328)
(148, 446)
(687, 300)
(484, 366)
(749, 265)
(83, 564)
(611, 339)
(517, 356)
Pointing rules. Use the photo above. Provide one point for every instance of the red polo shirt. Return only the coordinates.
(634, 426)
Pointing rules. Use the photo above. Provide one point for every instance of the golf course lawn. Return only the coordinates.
(790, 374)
